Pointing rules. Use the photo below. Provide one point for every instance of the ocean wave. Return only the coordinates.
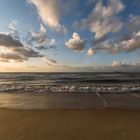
(21, 88)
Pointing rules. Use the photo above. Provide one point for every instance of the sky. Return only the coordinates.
(69, 35)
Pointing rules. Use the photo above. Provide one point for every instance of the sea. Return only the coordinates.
(85, 90)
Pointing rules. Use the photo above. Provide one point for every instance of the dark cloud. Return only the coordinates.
(15, 50)
(50, 62)
(11, 56)
(7, 40)
(27, 52)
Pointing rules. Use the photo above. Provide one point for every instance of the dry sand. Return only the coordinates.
(90, 124)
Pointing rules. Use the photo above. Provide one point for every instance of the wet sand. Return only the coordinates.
(89, 124)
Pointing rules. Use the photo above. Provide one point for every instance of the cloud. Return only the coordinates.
(131, 44)
(48, 10)
(91, 52)
(103, 19)
(27, 52)
(13, 49)
(50, 62)
(52, 42)
(13, 25)
(116, 63)
(40, 39)
(50, 13)
(11, 56)
(13, 30)
(90, 2)
(7, 40)
(133, 23)
(68, 5)
(76, 43)
(126, 45)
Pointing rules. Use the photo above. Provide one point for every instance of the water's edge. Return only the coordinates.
(70, 101)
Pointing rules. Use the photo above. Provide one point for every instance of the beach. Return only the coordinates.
(71, 124)
(69, 106)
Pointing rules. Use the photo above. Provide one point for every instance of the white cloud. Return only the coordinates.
(50, 13)
(131, 44)
(13, 30)
(91, 52)
(40, 39)
(114, 47)
(42, 29)
(117, 63)
(13, 25)
(76, 43)
(48, 10)
(137, 34)
(52, 42)
(103, 19)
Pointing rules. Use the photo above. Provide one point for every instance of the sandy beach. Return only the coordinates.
(89, 124)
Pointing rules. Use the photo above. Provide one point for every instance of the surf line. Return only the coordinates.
(103, 99)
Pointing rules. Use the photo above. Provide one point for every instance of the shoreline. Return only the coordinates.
(70, 101)
(71, 109)
(69, 124)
